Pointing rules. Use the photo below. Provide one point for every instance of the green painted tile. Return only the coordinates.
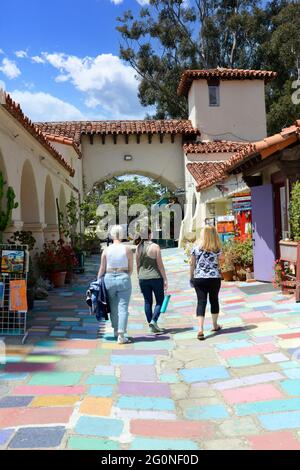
(85, 443)
(55, 378)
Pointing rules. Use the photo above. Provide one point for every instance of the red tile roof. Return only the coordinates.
(267, 146)
(207, 173)
(217, 146)
(15, 110)
(189, 76)
(65, 141)
(75, 129)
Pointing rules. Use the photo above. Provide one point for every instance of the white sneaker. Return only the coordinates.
(155, 328)
(124, 339)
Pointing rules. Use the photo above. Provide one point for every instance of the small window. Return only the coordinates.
(214, 95)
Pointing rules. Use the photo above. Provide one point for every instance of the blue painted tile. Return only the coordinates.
(293, 373)
(15, 402)
(289, 365)
(169, 378)
(7, 376)
(132, 360)
(270, 406)
(5, 435)
(233, 345)
(101, 391)
(34, 438)
(99, 427)
(244, 361)
(277, 421)
(206, 412)
(204, 374)
(101, 380)
(292, 387)
(146, 403)
(162, 444)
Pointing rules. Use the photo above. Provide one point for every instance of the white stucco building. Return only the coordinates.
(45, 162)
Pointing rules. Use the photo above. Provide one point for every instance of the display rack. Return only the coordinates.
(13, 322)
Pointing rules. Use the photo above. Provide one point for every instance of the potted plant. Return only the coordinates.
(55, 261)
(227, 270)
(227, 267)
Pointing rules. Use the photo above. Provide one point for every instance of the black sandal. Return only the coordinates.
(219, 327)
(200, 336)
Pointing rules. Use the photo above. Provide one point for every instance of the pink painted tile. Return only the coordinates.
(26, 416)
(252, 315)
(173, 429)
(251, 350)
(78, 344)
(251, 394)
(289, 335)
(48, 390)
(274, 441)
(258, 320)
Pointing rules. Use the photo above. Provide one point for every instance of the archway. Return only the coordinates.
(50, 212)
(49, 203)
(29, 198)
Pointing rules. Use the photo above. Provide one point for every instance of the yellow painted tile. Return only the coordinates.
(96, 406)
(112, 346)
(55, 400)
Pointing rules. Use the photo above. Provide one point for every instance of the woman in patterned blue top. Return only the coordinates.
(205, 275)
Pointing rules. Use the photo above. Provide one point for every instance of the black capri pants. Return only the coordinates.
(207, 287)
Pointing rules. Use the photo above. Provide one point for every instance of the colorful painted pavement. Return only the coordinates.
(72, 387)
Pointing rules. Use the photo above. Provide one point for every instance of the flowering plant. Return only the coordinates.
(282, 272)
(56, 256)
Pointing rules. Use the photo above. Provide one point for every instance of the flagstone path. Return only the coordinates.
(72, 387)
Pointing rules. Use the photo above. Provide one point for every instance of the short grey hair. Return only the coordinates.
(117, 232)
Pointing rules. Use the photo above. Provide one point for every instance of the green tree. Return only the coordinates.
(170, 36)
(136, 191)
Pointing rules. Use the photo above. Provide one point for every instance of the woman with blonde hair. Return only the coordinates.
(116, 267)
(205, 275)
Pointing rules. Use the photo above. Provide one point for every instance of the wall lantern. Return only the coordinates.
(127, 158)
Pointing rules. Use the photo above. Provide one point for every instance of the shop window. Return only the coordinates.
(214, 95)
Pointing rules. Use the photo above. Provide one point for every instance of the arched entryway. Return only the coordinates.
(50, 212)
(29, 202)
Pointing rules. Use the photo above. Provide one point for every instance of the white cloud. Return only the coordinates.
(1, 51)
(9, 68)
(2, 85)
(21, 54)
(105, 81)
(141, 2)
(42, 106)
(37, 59)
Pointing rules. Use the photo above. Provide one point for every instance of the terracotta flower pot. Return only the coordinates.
(58, 278)
(227, 275)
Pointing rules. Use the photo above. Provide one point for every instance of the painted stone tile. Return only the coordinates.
(102, 427)
(34, 438)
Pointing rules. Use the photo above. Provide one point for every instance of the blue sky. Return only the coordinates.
(59, 59)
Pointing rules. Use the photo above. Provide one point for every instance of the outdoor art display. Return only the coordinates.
(17, 296)
(12, 261)
(2, 290)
